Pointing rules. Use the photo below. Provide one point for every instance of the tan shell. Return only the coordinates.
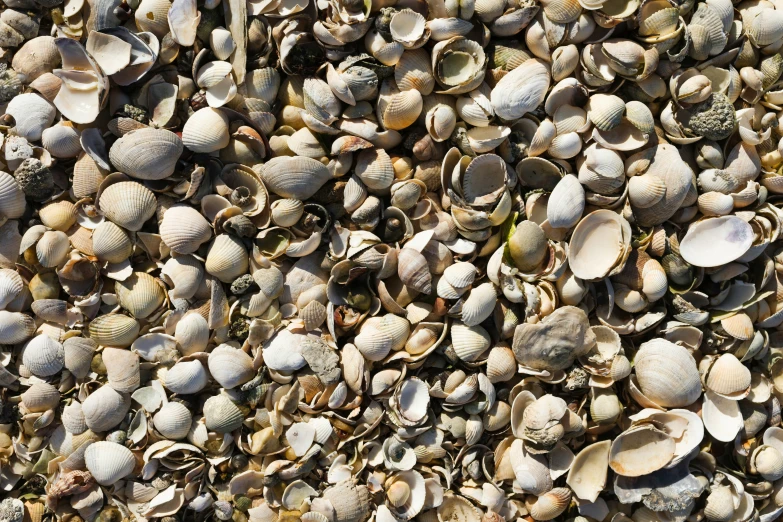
(122, 368)
(114, 330)
(78, 355)
(206, 131)
(226, 258)
(230, 367)
(110, 243)
(109, 462)
(41, 396)
(140, 294)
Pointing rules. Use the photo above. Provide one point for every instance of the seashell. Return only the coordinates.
(140, 294)
(192, 334)
(221, 414)
(566, 203)
(206, 131)
(185, 274)
(650, 450)
(173, 420)
(588, 472)
(222, 43)
(109, 462)
(43, 356)
(738, 326)
(413, 270)
(60, 215)
(455, 507)
(469, 342)
(230, 367)
(40, 397)
(128, 204)
(114, 330)
(148, 154)
(105, 408)
(62, 141)
(549, 505)
(413, 71)
(501, 364)
(186, 377)
(593, 256)
(351, 502)
(78, 355)
(294, 177)
(122, 368)
(110, 243)
(521, 90)
(52, 248)
(226, 258)
(666, 374)
(73, 419)
(36, 57)
(715, 204)
(32, 114)
(374, 168)
(479, 304)
(12, 201)
(719, 504)
(183, 229)
(400, 110)
(729, 238)
(728, 377)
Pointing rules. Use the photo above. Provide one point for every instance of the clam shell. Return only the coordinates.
(222, 415)
(122, 368)
(230, 367)
(173, 420)
(521, 90)
(32, 114)
(728, 377)
(566, 203)
(183, 229)
(128, 204)
(41, 396)
(294, 177)
(192, 334)
(501, 364)
(109, 462)
(666, 373)
(148, 154)
(186, 378)
(52, 248)
(43, 356)
(600, 242)
(374, 168)
(605, 111)
(12, 200)
(479, 304)
(413, 270)
(105, 408)
(114, 330)
(15, 327)
(110, 243)
(648, 451)
(716, 241)
(469, 342)
(206, 131)
(140, 294)
(78, 355)
(351, 502)
(60, 215)
(62, 141)
(184, 274)
(549, 505)
(226, 258)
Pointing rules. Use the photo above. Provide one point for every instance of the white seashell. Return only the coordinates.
(183, 229)
(521, 90)
(566, 203)
(32, 114)
(186, 378)
(469, 342)
(206, 131)
(43, 356)
(716, 241)
(173, 420)
(128, 204)
(109, 462)
(105, 408)
(479, 304)
(230, 367)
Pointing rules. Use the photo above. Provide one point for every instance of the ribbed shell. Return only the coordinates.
(41, 396)
(62, 141)
(667, 374)
(111, 243)
(351, 502)
(375, 169)
(222, 415)
(128, 204)
(87, 176)
(184, 229)
(52, 248)
(206, 131)
(114, 330)
(122, 369)
(73, 418)
(192, 334)
(12, 202)
(43, 356)
(105, 408)
(414, 71)
(53, 310)
(173, 420)
(109, 462)
(60, 215)
(294, 177)
(186, 378)
(227, 258)
(140, 294)
(11, 285)
(501, 364)
(81, 239)
(479, 304)
(148, 154)
(153, 16)
(184, 273)
(230, 367)
(469, 342)
(78, 355)
(728, 377)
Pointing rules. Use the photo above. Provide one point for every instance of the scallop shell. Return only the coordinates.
(140, 294)
(60, 215)
(206, 131)
(222, 44)
(286, 212)
(128, 204)
(105, 408)
(41, 396)
(222, 415)
(226, 258)
(173, 420)
(148, 154)
(114, 330)
(109, 462)
(186, 377)
(43, 356)
(183, 229)
(230, 367)
(110, 243)
(666, 373)
(87, 176)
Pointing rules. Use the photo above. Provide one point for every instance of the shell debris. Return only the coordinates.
(391, 260)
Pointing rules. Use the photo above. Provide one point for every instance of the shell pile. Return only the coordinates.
(391, 260)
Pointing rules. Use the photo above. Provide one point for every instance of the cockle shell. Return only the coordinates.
(183, 229)
(206, 131)
(666, 373)
(173, 420)
(148, 154)
(43, 356)
(128, 204)
(221, 414)
(109, 462)
(226, 258)
(105, 408)
(114, 330)
(230, 367)
(140, 294)
(110, 243)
